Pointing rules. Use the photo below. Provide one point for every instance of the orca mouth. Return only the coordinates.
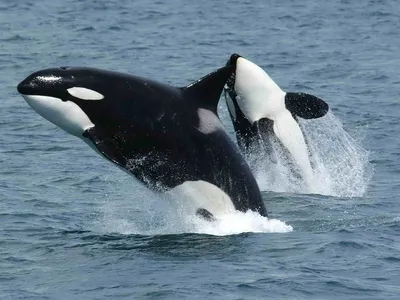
(65, 114)
(26, 87)
(230, 96)
(229, 88)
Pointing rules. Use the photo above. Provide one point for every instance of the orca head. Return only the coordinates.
(251, 91)
(64, 95)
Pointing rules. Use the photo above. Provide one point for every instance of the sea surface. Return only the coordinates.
(73, 226)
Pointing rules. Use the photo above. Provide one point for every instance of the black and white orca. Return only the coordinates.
(169, 138)
(259, 109)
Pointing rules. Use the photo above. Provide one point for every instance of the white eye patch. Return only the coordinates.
(84, 93)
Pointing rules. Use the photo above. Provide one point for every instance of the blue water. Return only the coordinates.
(73, 226)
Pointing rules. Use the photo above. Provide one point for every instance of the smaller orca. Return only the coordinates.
(169, 138)
(259, 109)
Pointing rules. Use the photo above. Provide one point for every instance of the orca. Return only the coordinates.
(169, 138)
(260, 109)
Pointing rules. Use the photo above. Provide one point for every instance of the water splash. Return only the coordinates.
(236, 223)
(163, 217)
(340, 164)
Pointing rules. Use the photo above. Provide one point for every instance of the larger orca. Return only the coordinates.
(169, 138)
(260, 110)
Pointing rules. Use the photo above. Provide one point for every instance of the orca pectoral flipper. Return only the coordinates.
(306, 106)
(105, 146)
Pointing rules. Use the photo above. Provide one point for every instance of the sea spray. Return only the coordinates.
(170, 218)
(340, 164)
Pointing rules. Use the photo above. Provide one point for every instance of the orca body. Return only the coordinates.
(167, 137)
(260, 110)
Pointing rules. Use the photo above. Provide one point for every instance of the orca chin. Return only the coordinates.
(65, 114)
(232, 61)
(260, 109)
(169, 138)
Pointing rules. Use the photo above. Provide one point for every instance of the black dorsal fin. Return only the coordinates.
(207, 90)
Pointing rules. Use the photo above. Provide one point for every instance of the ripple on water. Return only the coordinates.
(73, 226)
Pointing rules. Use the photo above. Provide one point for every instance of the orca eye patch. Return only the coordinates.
(84, 93)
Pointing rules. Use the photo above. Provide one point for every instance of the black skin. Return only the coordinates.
(151, 129)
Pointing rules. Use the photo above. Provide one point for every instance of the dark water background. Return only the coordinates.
(73, 226)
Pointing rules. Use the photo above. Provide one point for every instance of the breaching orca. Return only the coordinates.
(259, 108)
(169, 138)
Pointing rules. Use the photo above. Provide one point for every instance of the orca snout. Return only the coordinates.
(24, 87)
(232, 60)
(39, 83)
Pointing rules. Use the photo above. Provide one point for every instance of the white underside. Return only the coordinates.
(65, 114)
(289, 133)
(260, 97)
(193, 195)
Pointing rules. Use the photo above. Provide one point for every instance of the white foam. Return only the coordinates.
(156, 214)
(235, 223)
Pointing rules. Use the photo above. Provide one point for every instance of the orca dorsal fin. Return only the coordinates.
(306, 106)
(207, 90)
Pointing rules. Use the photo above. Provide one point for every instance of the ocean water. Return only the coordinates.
(73, 226)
